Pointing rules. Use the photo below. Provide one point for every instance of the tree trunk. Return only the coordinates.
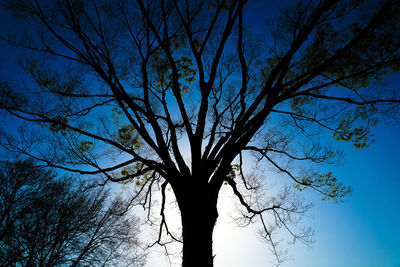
(199, 215)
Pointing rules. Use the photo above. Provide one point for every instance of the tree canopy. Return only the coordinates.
(182, 94)
(47, 220)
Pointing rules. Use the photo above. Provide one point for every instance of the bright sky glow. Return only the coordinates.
(363, 231)
(360, 232)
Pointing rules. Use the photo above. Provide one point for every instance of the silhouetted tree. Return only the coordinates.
(50, 221)
(181, 94)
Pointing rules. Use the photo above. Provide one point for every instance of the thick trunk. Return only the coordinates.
(197, 233)
(199, 215)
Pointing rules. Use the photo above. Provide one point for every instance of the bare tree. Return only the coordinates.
(180, 93)
(51, 221)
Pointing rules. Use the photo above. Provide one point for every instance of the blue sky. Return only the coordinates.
(363, 231)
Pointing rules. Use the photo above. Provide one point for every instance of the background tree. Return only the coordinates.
(180, 94)
(51, 221)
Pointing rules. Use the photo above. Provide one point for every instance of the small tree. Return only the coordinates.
(51, 221)
(123, 87)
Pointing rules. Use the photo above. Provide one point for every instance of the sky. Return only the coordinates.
(362, 231)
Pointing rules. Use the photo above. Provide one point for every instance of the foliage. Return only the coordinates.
(184, 95)
(52, 221)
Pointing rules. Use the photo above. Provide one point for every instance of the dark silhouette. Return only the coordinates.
(180, 94)
(47, 220)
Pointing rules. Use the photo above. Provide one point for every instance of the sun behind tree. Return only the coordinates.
(119, 87)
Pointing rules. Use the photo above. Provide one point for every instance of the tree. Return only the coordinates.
(51, 221)
(125, 86)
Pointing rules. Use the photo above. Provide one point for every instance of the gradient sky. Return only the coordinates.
(363, 231)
